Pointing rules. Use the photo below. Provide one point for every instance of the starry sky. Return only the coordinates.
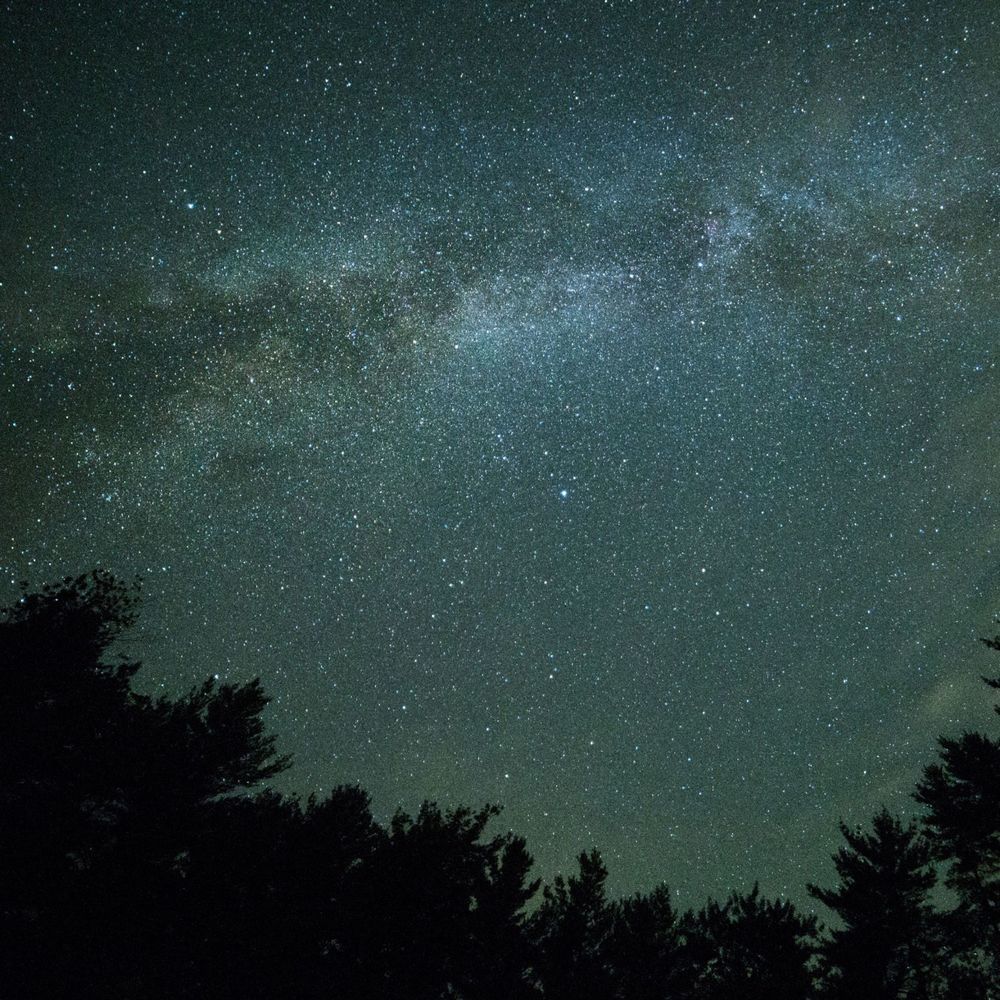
(590, 407)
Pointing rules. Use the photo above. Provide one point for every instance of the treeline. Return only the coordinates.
(137, 860)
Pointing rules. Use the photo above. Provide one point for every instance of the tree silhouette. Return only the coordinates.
(962, 796)
(101, 789)
(646, 951)
(887, 946)
(571, 930)
(437, 911)
(140, 858)
(265, 892)
(751, 948)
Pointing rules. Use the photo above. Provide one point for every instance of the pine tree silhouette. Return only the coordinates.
(962, 796)
(888, 945)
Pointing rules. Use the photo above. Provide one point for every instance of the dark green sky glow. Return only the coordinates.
(587, 406)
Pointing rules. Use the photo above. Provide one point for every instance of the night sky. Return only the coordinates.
(590, 407)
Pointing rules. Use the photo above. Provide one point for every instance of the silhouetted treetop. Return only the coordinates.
(886, 947)
(571, 930)
(752, 948)
(962, 795)
(139, 857)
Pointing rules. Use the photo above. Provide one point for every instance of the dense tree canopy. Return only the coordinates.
(141, 854)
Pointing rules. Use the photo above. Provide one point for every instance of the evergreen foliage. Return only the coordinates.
(961, 793)
(886, 946)
(142, 856)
